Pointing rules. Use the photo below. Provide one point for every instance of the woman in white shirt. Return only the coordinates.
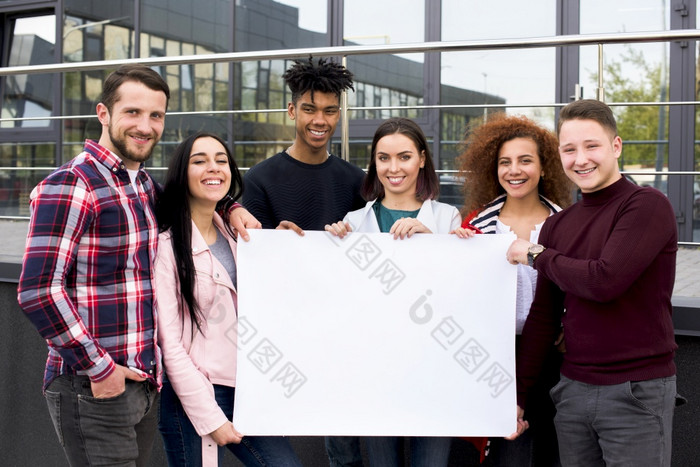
(514, 181)
(402, 185)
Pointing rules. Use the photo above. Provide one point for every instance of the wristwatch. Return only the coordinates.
(532, 253)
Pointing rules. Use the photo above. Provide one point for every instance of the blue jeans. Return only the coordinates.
(183, 446)
(385, 451)
(343, 451)
(617, 425)
(116, 431)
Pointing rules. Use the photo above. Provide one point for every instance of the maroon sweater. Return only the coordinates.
(610, 263)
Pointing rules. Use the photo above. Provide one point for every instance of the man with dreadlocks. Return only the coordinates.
(304, 185)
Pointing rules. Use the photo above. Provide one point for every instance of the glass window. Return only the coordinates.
(359, 151)
(696, 159)
(696, 202)
(18, 177)
(476, 19)
(501, 77)
(632, 73)
(206, 23)
(385, 78)
(258, 86)
(91, 32)
(281, 24)
(30, 96)
(259, 135)
(189, 28)
(362, 28)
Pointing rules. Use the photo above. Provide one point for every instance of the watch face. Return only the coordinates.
(536, 249)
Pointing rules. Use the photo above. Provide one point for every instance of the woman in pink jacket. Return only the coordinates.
(195, 287)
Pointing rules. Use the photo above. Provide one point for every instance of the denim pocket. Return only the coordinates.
(53, 400)
(100, 400)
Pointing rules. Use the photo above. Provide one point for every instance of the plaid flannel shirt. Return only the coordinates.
(86, 274)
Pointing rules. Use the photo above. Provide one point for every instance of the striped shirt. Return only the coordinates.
(485, 220)
(86, 273)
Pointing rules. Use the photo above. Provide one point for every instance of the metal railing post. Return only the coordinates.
(344, 123)
(600, 90)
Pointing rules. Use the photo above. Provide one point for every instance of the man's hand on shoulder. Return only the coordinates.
(241, 219)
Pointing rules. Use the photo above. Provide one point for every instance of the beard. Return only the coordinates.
(120, 144)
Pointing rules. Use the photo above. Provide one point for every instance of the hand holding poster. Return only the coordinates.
(374, 336)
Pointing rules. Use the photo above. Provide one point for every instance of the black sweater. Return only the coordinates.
(283, 189)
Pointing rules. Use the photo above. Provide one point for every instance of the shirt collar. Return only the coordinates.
(105, 156)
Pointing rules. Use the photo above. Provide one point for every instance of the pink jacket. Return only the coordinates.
(193, 365)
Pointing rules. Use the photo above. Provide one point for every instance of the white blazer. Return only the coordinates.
(440, 218)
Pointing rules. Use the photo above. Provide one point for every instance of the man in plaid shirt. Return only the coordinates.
(86, 279)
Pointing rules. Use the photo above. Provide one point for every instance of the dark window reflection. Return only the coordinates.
(29, 95)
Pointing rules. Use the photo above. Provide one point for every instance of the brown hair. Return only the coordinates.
(589, 109)
(427, 185)
(479, 161)
(135, 72)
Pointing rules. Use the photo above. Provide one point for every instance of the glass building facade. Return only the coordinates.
(659, 136)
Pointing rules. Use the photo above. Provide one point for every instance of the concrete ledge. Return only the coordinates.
(686, 315)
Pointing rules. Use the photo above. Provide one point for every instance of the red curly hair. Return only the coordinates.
(478, 162)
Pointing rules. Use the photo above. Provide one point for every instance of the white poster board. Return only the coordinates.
(375, 336)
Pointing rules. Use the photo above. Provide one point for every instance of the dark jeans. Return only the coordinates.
(117, 431)
(344, 451)
(183, 446)
(386, 451)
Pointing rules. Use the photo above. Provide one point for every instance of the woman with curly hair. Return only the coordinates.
(514, 182)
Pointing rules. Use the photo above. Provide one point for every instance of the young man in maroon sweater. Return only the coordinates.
(606, 268)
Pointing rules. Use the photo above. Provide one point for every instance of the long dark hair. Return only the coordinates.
(427, 184)
(173, 212)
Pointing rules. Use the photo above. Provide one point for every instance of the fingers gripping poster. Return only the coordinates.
(374, 336)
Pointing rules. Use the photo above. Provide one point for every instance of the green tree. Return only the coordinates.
(631, 78)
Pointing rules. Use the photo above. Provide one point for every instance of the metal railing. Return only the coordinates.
(345, 51)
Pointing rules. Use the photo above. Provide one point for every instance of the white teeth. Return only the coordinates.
(583, 172)
(516, 182)
(212, 182)
(395, 179)
(317, 132)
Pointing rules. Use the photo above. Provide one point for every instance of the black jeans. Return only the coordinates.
(117, 431)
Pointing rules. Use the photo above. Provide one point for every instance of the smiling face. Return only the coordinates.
(208, 172)
(398, 164)
(519, 167)
(135, 124)
(589, 154)
(314, 120)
